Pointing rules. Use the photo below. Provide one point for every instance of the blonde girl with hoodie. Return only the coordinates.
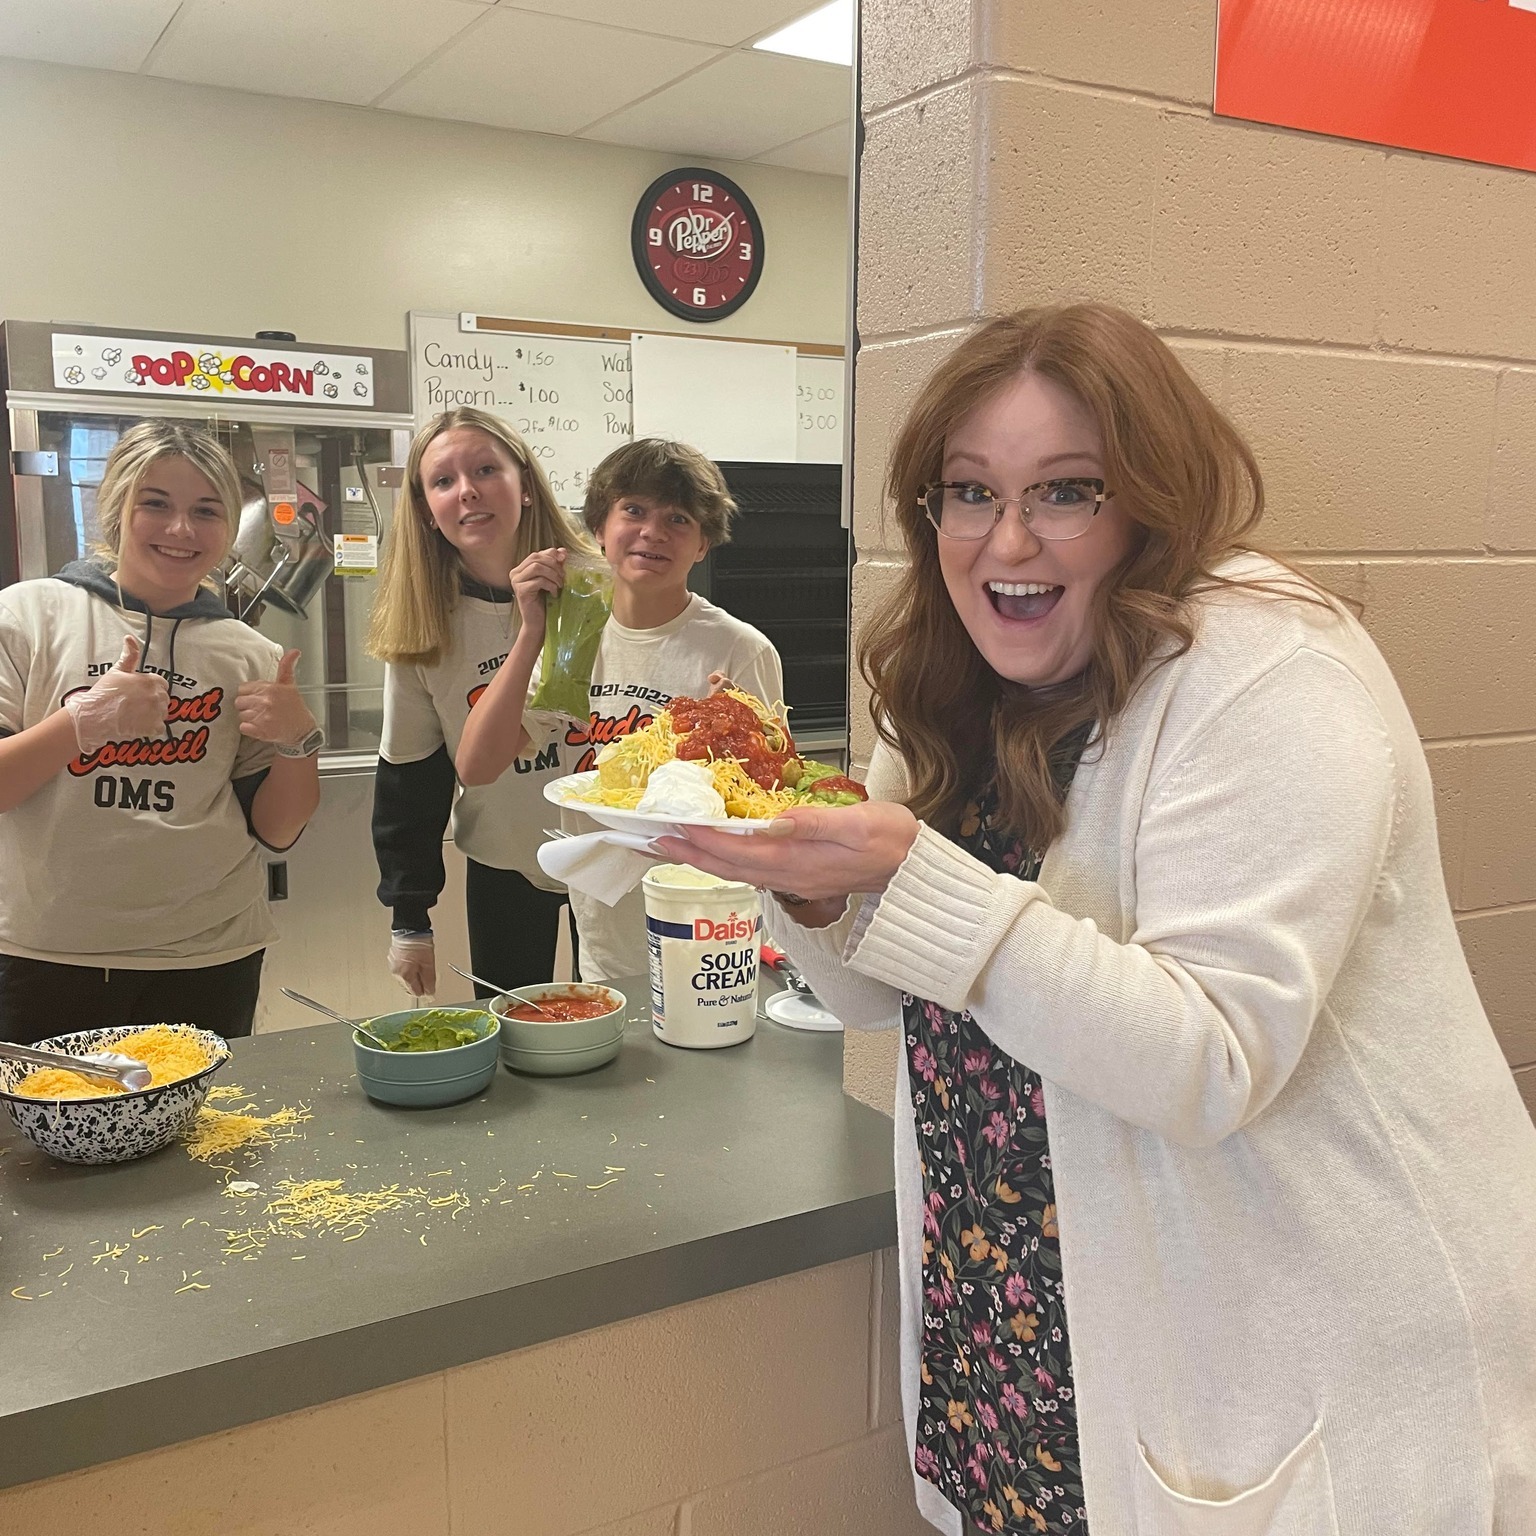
(150, 745)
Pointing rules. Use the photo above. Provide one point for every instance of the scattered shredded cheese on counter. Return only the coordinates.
(316, 1206)
(217, 1132)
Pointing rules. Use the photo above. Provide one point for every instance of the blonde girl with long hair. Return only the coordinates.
(476, 505)
(1216, 1197)
(150, 745)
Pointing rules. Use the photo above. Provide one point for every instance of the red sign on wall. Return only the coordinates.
(1451, 77)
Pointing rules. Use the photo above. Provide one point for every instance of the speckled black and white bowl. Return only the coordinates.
(117, 1127)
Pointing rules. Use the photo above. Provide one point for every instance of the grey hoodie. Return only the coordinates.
(137, 856)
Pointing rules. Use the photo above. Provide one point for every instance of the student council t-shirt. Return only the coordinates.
(499, 824)
(639, 671)
(135, 856)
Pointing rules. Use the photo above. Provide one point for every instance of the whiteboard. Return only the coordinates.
(819, 410)
(568, 397)
(730, 399)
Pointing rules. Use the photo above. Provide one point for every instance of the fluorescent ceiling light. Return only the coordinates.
(825, 34)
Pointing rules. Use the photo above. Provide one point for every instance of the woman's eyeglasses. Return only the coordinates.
(1053, 509)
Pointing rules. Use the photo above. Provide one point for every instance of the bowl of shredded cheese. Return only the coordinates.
(86, 1120)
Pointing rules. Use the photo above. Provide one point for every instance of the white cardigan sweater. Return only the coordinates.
(1296, 1186)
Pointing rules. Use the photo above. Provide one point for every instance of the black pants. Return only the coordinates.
(513, 927)
(39, 998)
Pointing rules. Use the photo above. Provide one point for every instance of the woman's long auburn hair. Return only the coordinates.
(1183, 474)
(419, 578)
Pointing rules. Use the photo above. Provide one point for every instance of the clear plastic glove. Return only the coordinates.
(413, 962)
(124, 705)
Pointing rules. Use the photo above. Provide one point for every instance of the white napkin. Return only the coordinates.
(604, 865)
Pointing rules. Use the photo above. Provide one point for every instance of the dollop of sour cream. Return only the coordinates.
(681, 788)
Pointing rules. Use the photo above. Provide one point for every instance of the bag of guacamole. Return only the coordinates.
(573, 629)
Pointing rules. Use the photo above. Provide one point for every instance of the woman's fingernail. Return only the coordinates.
(781, 827)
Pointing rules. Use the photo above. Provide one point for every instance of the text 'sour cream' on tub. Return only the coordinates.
(703, 934)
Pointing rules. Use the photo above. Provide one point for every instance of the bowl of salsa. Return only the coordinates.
(575, 1027)
(564, 1007)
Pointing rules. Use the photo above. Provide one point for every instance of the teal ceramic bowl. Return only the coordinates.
(427, 1079)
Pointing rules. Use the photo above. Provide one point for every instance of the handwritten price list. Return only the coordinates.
(569, 398)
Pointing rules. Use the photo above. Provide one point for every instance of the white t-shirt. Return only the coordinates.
(639, 671)
(500, 824)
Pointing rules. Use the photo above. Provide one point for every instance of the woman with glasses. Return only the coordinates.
(1217, 1200)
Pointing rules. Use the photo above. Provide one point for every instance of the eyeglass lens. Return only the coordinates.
(1057, 509)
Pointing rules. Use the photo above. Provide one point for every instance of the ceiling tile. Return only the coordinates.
(829, 153)
(97, 34)
(325, 50)
(740, 106)
(706, 21)
(519, 69)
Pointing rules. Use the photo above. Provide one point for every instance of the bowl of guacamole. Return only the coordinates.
(434, 1056)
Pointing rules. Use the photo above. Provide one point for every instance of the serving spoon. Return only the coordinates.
(111, 1066)
(480, 981)
(331, 1013)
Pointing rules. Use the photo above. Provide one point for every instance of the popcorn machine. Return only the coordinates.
(319, 435)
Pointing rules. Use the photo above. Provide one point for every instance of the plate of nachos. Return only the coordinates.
(725, 761)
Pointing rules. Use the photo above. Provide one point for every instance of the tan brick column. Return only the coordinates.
(1367, 316)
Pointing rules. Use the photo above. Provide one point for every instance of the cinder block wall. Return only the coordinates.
(1366, 315)
(774, 1410)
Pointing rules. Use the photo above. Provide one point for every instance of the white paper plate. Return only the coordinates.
(797, 1011)
(559, 791)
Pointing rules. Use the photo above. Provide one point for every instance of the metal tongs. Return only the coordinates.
(108, 1066)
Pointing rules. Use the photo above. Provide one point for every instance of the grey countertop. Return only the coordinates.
(562, 1204)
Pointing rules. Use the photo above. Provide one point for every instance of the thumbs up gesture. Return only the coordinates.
(275, 711)
(124, 705)
(132, 650)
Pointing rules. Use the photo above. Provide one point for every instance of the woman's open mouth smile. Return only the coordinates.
(1023, 602)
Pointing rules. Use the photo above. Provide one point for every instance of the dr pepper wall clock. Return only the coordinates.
(698, 244)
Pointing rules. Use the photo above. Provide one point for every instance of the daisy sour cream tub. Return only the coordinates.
(703, 934)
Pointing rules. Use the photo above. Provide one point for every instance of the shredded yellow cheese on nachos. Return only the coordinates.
(624, 767)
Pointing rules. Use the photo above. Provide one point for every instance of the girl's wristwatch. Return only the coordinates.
(307, 747)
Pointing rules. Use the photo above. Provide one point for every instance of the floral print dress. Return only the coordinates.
(997, 1420)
